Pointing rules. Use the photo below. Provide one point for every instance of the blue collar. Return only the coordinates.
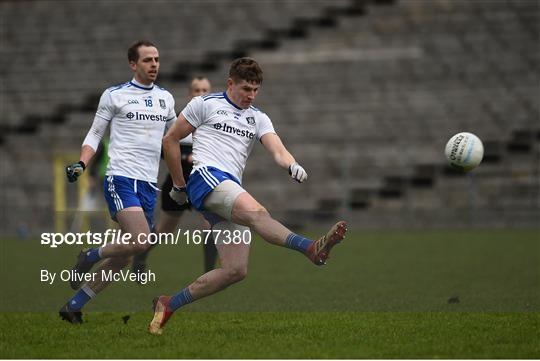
(136, 84)
(230, 102)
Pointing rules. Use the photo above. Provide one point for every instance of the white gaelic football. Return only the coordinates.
(464, 151)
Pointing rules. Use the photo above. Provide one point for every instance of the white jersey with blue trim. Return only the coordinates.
(139, 116)
(224, 134)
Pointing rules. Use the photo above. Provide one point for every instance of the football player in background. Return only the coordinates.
(226, 126)
(172, 211)
(139, 112)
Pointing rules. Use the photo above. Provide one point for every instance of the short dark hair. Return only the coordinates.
(246, 69)
(133, 51)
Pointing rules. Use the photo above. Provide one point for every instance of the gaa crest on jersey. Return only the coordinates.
(250, 120)
(162, 104)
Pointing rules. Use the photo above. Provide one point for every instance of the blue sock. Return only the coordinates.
(79, 300)
(180, 299)
(93, 255)
(297, 242)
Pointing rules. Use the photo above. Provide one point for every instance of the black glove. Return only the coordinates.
(74, 171)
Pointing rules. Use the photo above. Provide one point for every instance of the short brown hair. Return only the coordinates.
(133, 51)
(246, 69)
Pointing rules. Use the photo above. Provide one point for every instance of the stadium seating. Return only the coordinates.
(74, 48)
(364, 94)
(423, 71)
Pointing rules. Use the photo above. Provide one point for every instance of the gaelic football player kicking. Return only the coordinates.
(172, 211)
(227, 126)
(139, 113)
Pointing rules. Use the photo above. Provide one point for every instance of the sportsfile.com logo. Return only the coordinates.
(232, 130)
(143, 116)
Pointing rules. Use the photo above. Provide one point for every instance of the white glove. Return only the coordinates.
(179, 195)
(297, 172)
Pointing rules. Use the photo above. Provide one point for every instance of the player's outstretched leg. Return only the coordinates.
(248, 212)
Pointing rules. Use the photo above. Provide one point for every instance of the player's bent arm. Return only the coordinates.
(281, 155)
(171, 151)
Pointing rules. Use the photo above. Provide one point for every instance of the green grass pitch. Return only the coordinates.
(438, 294)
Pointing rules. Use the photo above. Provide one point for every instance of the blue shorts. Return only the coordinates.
(202, 181)
(123, 192)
